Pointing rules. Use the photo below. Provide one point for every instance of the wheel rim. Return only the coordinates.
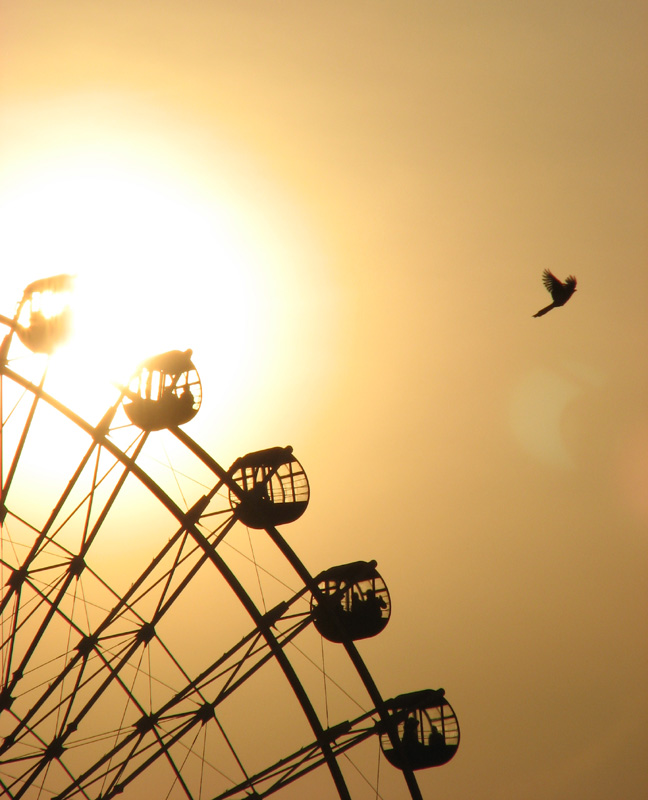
(83, 710)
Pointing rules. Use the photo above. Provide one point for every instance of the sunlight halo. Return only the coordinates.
(162, 261)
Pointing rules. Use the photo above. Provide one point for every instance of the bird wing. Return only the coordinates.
(571, 282)
(550, 281)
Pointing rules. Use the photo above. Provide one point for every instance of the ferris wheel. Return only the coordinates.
(159, 636)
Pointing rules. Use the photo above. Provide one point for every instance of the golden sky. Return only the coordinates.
(345, 209)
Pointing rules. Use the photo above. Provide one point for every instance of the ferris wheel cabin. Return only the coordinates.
(44, 316)
(272, 488)
(164, 392)
(352, 602)
(425, 730)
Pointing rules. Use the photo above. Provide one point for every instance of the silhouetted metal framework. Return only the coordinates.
(164, 392)
(44, 317)
(352, 602)
(75, 721)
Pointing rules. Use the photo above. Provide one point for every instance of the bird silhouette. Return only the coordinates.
(560, 292)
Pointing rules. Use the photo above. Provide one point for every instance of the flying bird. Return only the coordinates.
(560, 292)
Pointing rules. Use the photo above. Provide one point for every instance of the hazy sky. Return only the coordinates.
(345, 210)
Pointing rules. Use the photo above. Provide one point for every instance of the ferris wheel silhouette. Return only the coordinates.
(111, 682)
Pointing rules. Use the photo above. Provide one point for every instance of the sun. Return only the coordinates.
(156, 267)
(176, 241)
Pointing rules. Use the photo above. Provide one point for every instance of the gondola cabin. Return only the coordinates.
(271, 488)
(44, 316)
(352, 602)
(164, 392)
(425, 731)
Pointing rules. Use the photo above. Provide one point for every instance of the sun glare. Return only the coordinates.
(156, 268)
(174, 242)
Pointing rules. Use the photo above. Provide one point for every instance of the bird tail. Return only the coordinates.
(544, 310)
